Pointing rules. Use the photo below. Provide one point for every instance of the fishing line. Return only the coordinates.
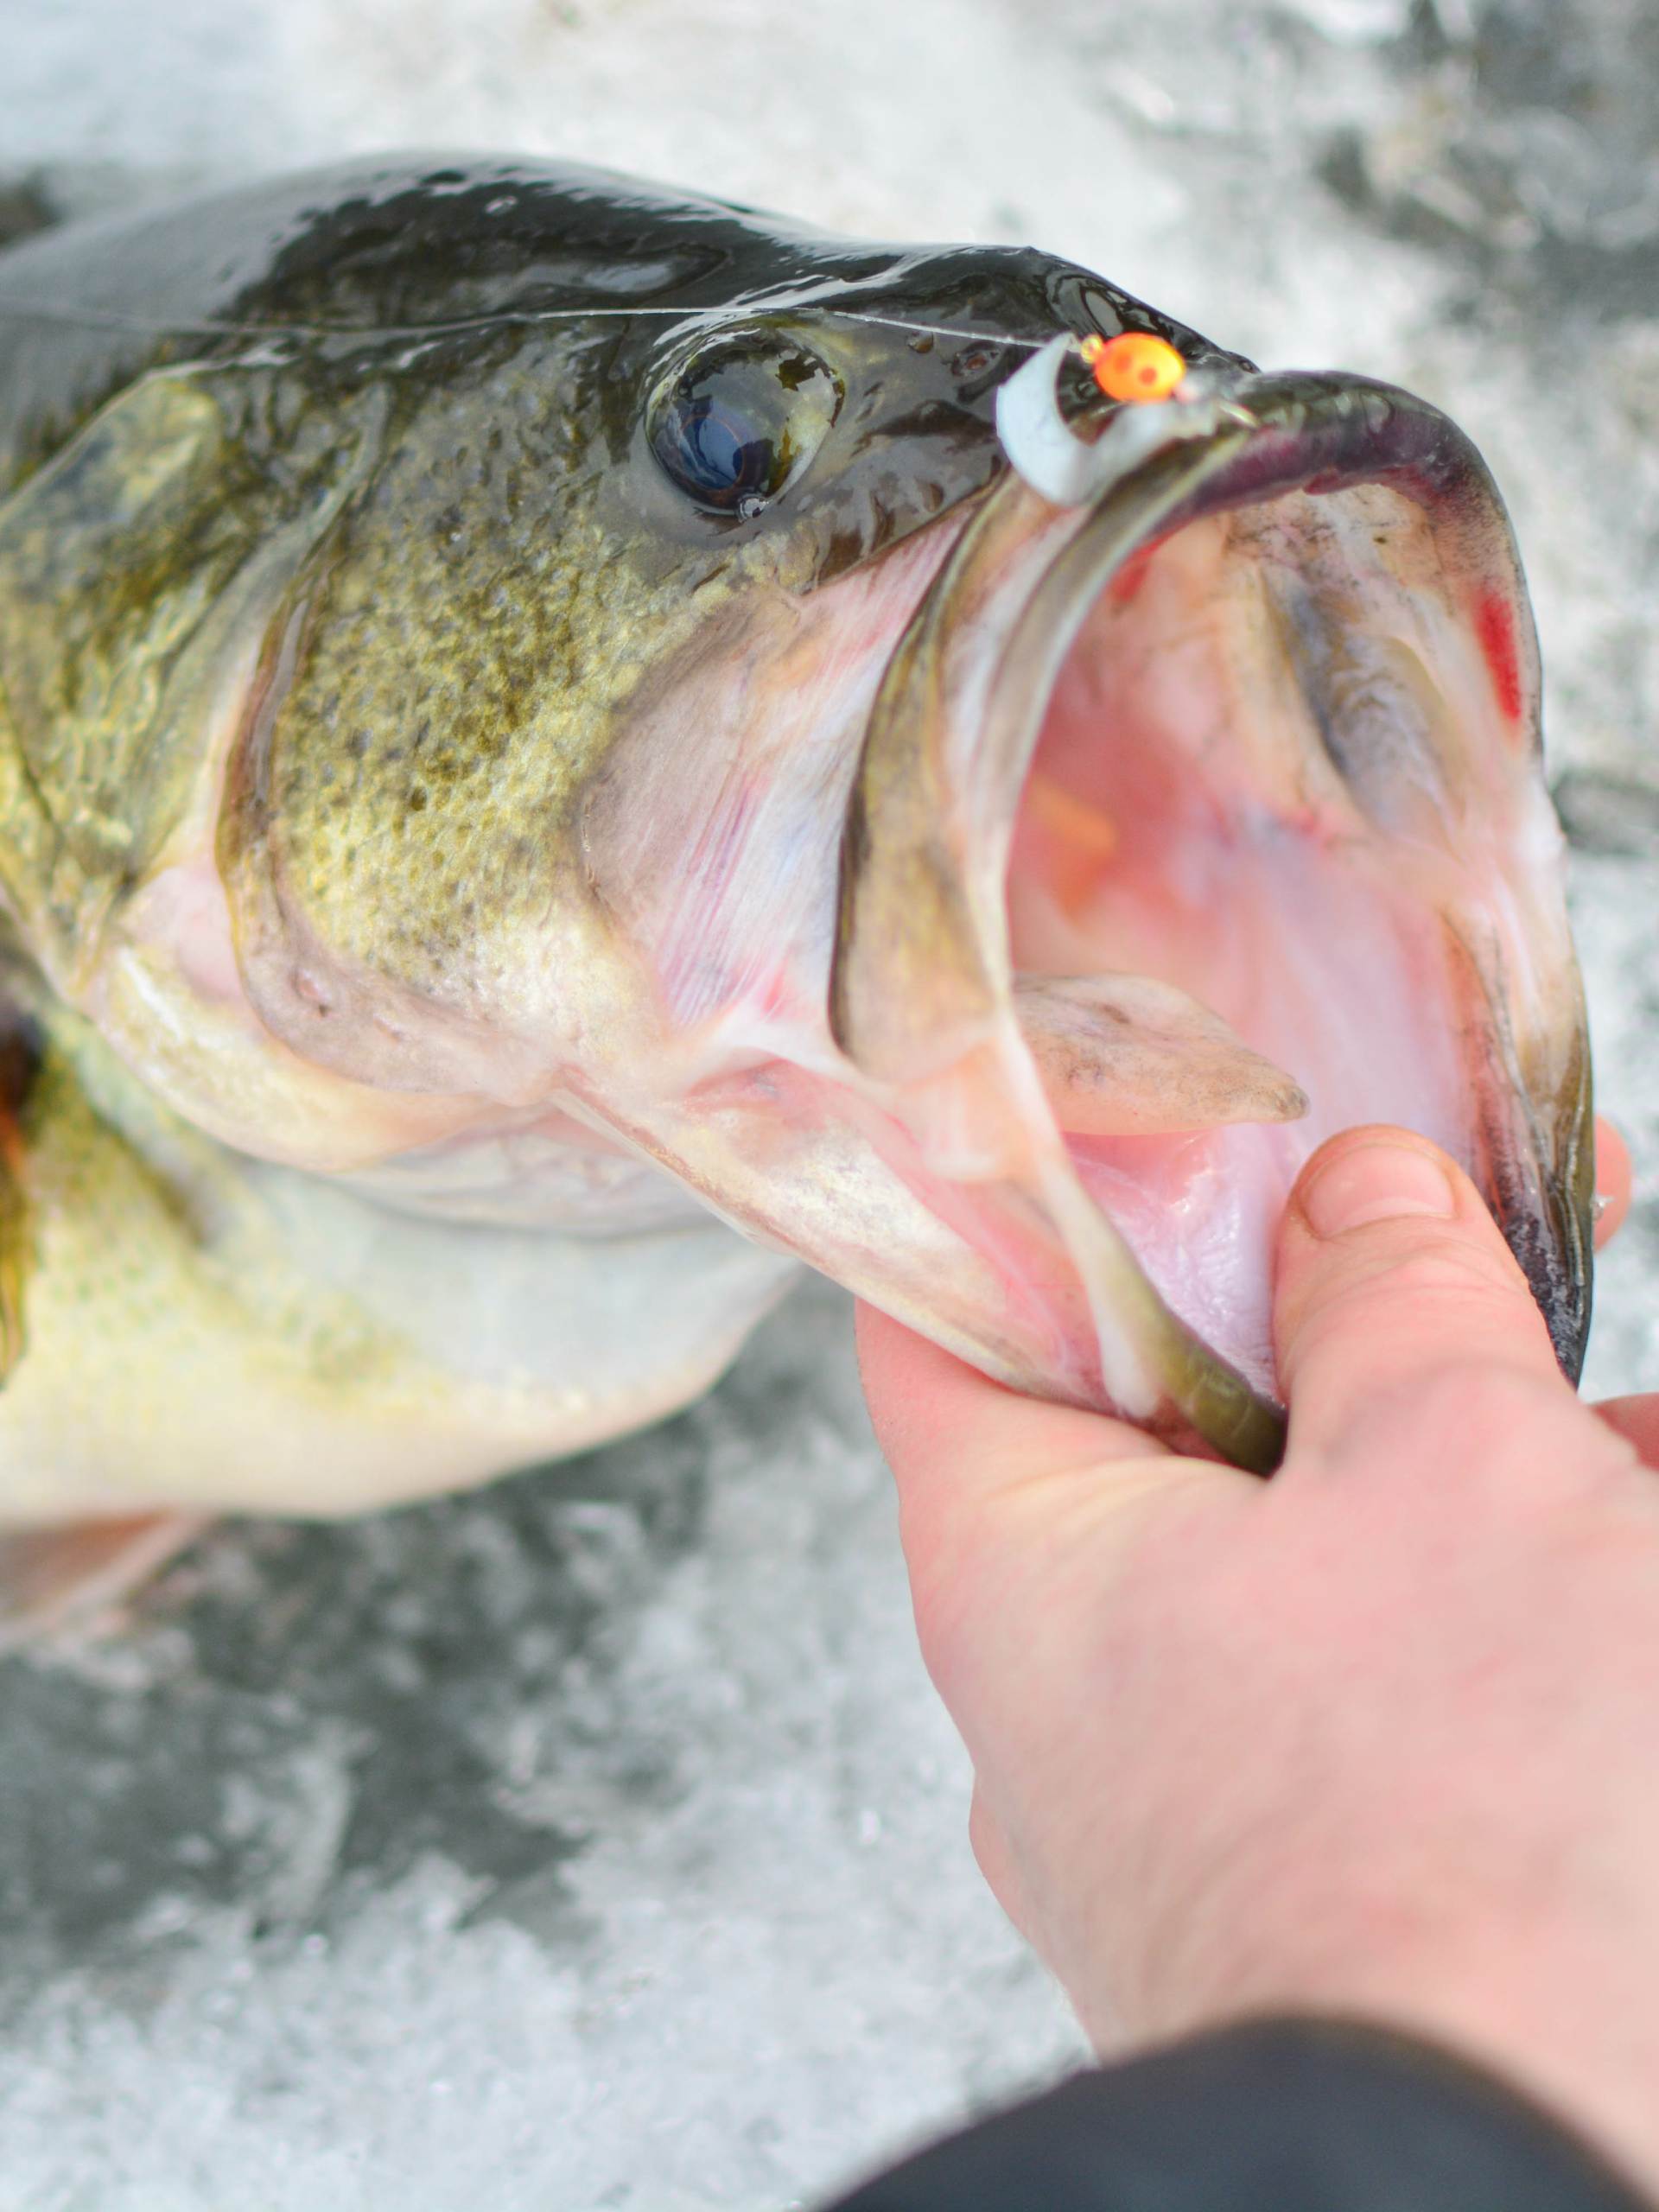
(114, 319)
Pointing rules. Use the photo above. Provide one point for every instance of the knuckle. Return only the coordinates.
(948, 1598)
(1496, 1433)
(1443, 1331)
(983, 1839)
(1453, 1269)
(1479, 1398)
(1449, 1291)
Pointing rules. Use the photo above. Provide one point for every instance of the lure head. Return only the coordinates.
(1136, 367)
(633, 705)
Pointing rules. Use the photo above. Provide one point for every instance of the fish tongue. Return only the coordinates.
(1127, 1056)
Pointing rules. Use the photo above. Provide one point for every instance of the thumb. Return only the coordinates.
(1397, 1302)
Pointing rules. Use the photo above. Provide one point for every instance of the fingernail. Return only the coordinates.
(1376, 1181)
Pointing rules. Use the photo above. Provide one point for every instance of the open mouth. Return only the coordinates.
(1199, 823)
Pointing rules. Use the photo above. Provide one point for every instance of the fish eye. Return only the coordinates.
(732, 425)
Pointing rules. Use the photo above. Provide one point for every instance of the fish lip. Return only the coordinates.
(1546, 1217)
(1265, 434)
(1287, 430)
(1538, 1169)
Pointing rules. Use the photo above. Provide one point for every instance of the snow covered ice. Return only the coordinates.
(597, 1842)
(594, 1844)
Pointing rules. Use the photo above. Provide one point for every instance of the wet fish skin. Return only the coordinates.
(454, 508)
(397, 767)
(350, 436)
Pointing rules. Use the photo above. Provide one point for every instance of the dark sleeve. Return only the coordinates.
(1275, 2116)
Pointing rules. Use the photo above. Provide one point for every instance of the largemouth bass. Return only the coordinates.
(541, 725)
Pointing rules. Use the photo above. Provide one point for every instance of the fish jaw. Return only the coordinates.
(1283, 674)
(1257, 730)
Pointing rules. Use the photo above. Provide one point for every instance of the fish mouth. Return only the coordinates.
(1197, 822)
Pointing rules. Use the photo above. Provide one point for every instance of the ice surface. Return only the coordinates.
(594, 1844)
(599, 1842)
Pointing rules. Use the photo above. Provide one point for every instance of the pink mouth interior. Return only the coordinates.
(1183, 821)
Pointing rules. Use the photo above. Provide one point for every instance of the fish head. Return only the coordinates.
(596, 630)
(692, 730)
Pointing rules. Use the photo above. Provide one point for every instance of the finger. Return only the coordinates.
(1392, 1279)
(1637, 1419)
(1612, 1181)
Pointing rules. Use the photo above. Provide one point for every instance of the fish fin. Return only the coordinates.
(53, 1580)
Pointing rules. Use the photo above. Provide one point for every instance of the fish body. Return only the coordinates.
(551, 767)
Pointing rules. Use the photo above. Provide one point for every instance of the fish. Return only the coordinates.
(567, 748)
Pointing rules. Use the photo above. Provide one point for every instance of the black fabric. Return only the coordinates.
(1278, 2116)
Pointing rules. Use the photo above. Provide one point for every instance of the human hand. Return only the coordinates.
(1379, 1737)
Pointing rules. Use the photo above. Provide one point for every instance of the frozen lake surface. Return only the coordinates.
(597, 1842)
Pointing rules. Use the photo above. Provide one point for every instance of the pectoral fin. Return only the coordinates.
(57, 1578)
